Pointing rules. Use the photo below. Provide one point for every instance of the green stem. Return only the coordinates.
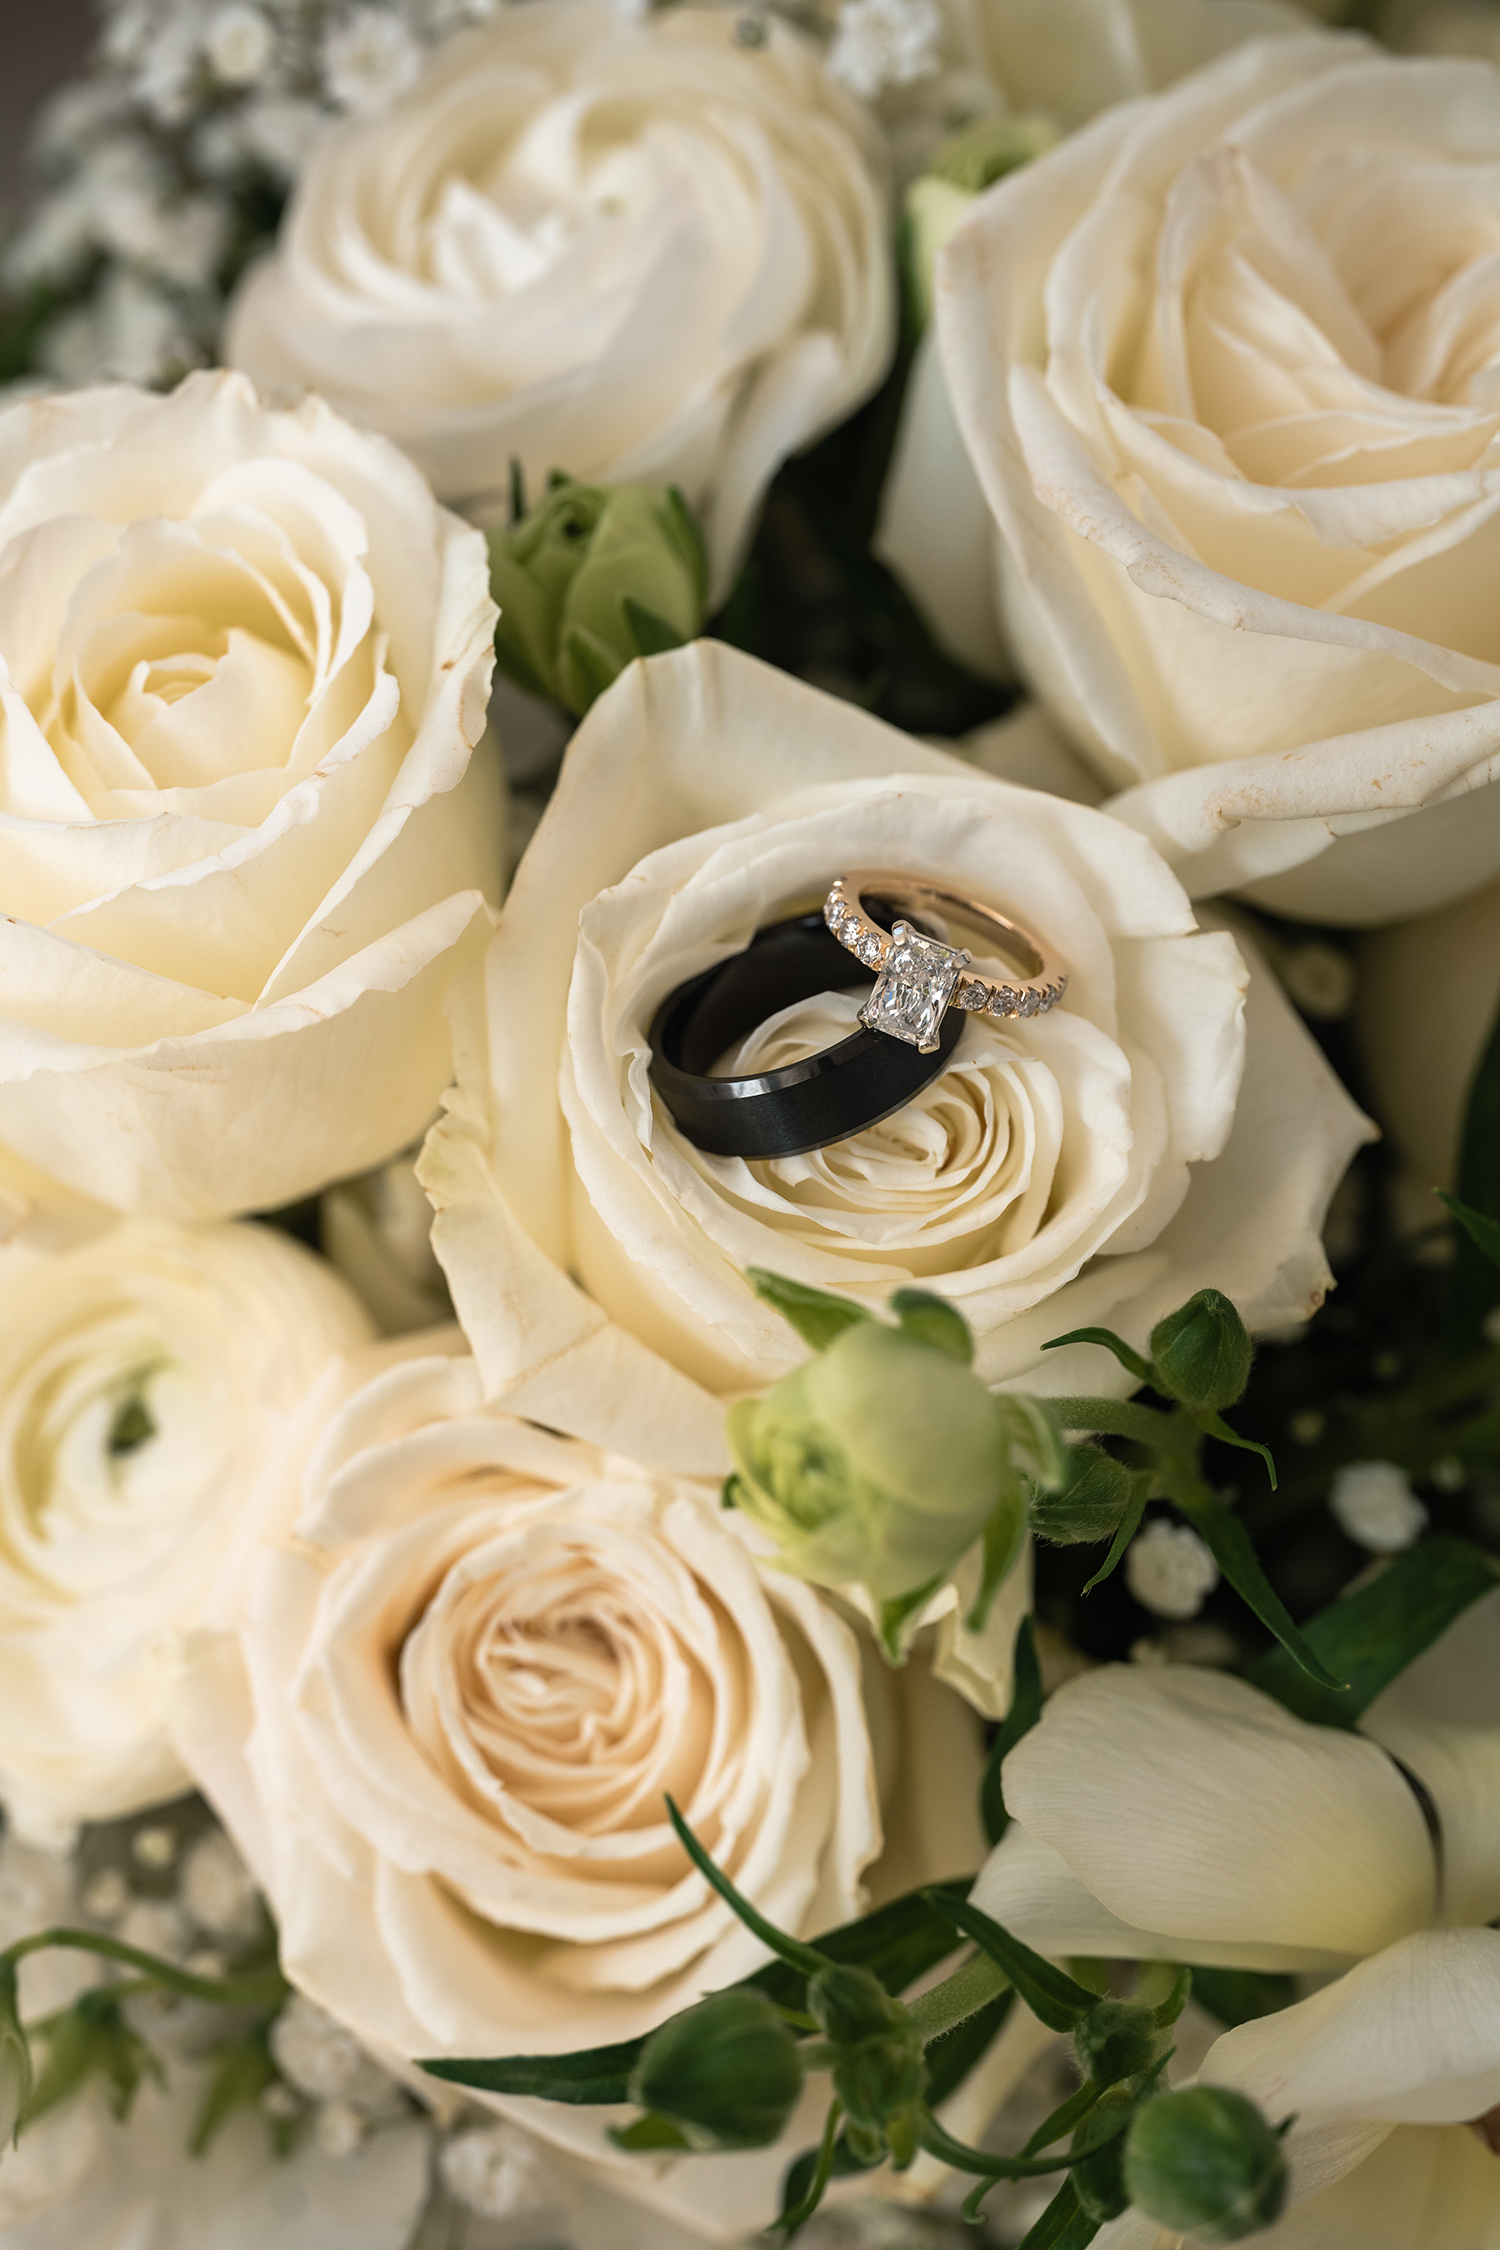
(1112, 1417)
(253, 1991)
(957, 1998)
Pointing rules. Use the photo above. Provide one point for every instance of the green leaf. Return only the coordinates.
(1049, 1992)
(897, 1943)
(1214, 1425)
(817, 1317)
(1064, 2225)
(1475, 1287)
(649, 2132)
(589, 2075)
(1025, 1710)
(1372, 1634)
(790, 1949)
(653, 635)
(242, 2070)
(1063, 2118)
(1124, 1353)
(932, 1320)
(1229, 1543)
(1234, 1996)
(1130, 1524)
(1481, 1230)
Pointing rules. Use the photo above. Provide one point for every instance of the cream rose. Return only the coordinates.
(142, 1378)
(624, 249)
(1224, 364)
(473, 1658)
(243, 663)
(1181, 1815)
(1169, 1126)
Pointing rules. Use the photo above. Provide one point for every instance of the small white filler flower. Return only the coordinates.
(1169, 1570)
(1374, 1504)
(881, 43)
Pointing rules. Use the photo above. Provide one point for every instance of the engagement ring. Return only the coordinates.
(917, 978)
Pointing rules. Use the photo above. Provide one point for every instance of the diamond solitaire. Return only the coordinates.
(914, 988)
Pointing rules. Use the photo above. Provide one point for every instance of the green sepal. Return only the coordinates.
(1049, 1992)
(1025, 1710)
(686, 533)
(648, 2132)
(1214, 1425)
(891, 1616)
(932, 1320)
(1129, 1525)
(1129, 1358)
(240, 2072)
(1003, 1542)
(1372, 1634)
(1481, 1230)
(1229, 1543)
(817, 1316)
(729, 1490)
(587, 668)
(653, 635)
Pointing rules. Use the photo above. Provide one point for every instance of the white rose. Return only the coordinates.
(142, 1378)
(626, 250)
(1168, 1127)
(1180, 1815)
(1223, 363)
(1427, 1004)
(473, 1658)
(243, 661)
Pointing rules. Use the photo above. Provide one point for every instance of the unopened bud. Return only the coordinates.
(1201, 1353)
(590, 578)
(1091, 1504)
(1206, 2162)
(1099, 2179)
(850, 2004)
(726, 2071)
(881, 2079)
(1117, 2039)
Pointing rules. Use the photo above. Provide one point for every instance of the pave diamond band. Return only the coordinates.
(918, 977)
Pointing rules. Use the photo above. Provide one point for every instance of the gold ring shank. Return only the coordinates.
(1040, 981)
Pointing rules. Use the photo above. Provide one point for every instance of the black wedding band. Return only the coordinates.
(804, 1105)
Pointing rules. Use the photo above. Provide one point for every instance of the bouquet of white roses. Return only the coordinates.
(744, 751)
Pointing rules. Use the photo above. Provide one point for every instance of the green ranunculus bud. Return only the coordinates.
(876, 1464)
(1201, 1353)
(879, 2080)
(1206, 2162)
(726, 2071)
(850, 2004)
(1117, 2039)
(590, 578)
(1090, 1505)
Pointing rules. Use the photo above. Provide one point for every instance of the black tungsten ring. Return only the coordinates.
(804, 1105)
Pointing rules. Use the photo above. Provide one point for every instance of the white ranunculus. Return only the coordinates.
(1428, 1002)
(623, 249)
(142, 1380)
(473, 1658)
(81, 2180)
(1181, 1815)
(1168, 1127)
(243, 663)
(1225, 365)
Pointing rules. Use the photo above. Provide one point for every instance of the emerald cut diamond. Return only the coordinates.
(914, 988)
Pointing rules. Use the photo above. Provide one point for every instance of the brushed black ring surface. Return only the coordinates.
(804, 1105)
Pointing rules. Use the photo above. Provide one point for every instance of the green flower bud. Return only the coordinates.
(1117, 2039)
(1206, 2162)
(875, 1464)
(956, 173)
(880, 2079)
(1201, 1353)
(1090, 1505)
(591, 578)
(850, 2004)
(727, 2072)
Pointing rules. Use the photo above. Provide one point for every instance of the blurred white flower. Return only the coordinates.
(217, 1891)
(881, 43)
(338, 2129)
(368, 60)
(240, 45)
(1320, 979)
(279, 130)
(321, 2059)
(168, 63)
(1374, 1504)
(377, 1235)
(494, 2170)
(1169, 1570)
(129, 330)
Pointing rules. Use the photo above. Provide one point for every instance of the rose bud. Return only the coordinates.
(591, 578)
(727, 2072)
(1200, 1354)
(875, 1464)
(1089, 1506)
(1208, 2162)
